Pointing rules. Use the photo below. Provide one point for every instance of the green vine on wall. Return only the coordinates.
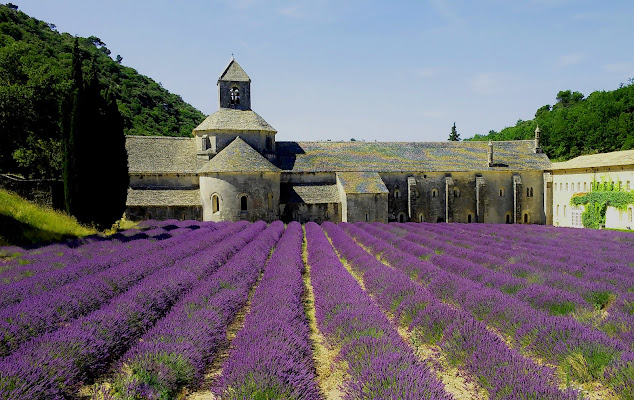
(596, 202)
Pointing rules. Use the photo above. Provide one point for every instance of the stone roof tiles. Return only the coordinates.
(308, 194)
(361, 182)
(227, 119)
(407, 156)
(238, 156)
(234, 73)
(613, 159)
(163, 197)
(162, 154)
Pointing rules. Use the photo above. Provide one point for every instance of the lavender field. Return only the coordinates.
(199, 310)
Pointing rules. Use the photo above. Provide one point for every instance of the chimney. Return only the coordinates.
(490, 153)
(538, 133)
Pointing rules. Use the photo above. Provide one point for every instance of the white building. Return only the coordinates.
(577, 175)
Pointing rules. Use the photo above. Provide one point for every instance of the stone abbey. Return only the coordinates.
(234, 169)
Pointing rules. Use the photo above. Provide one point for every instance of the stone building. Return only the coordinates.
(234, 169)
(576, 176)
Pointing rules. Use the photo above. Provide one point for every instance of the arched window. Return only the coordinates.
(501, 192)
(215, 203)
(421, 217)
(557, 209)
(585, 188)
(564, 210)
(397, 194)
(531, 192)
(367, 217)
(434, 193)
(469, 218)
(579, 186)
(629, 214)
(528, 193)
(508, 217)
(566, 187)
(526, 218)
(401, 217)
(235, 95)
(627, 186)
(243, 203)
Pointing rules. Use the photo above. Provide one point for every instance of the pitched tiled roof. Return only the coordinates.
(308, 194)
(234, 73)
(163, 197)
(238, 156)
(615, 158)
(231, 119)
(162, 154)
(361, 182)
(447, 156)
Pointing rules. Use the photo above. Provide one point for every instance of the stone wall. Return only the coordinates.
(164, 180)
(262, 190)
(490, 197)
(310, 212)
(224, 96)
(218, 140)
(366, 207)
(139, 213)
(47, 192)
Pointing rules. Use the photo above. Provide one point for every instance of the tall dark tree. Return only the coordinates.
(71, 131)
(95, 162)
(112, 177)
(454, 135)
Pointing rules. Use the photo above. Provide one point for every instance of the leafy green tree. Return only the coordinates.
(454, 135)
(35, 89)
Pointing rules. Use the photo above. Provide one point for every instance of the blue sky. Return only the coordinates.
(370, 70)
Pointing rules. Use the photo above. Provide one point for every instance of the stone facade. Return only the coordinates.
(239, 171)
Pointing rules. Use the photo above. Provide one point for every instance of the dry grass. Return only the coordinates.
(204, 391)
(331, 373)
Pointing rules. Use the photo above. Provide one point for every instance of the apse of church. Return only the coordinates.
(234, 169)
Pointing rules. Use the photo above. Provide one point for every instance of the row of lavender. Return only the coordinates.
(380, 365)
(53, 364)
(502, 372)
(581, 351)
(25, 263)
(557, 287)
(47, 300)
(180, 347)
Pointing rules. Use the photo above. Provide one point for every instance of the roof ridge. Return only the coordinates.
(158, 137)
(239, 156)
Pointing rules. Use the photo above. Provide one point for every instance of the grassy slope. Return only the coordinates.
(23, 223)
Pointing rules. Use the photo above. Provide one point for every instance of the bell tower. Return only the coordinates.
(234, 88)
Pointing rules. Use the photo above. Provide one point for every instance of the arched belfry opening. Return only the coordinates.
(234, 93)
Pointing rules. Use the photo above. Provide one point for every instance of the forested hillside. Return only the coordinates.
(576, 125)
(35, 78)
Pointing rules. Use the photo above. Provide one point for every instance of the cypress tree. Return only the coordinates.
(95, 159)
(454, 135)
(112, 173)
(71, 126)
